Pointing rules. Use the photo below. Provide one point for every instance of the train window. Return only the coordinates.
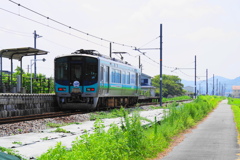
(112, 76)
(76, 72)
(106, 72)
(132, 78)
(61, 69)
(128, 78)
(102, 72)
(136, 82)
(116, 76)
(90, 71)
(83, 69)
(124, 77)
(119, 78)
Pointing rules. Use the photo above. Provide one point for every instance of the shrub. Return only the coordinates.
(131, 140)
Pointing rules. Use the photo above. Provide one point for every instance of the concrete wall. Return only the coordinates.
(26, 104)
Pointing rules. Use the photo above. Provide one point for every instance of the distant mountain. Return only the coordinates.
(221, 84)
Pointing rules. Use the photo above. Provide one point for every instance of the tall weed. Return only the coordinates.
(131, 140)
(235, 102)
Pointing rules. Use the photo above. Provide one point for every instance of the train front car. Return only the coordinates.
(76, 81)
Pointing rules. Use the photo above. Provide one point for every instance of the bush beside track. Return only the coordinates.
(235, 103)
(132, 140)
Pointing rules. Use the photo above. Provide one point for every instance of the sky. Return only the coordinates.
(207, 29)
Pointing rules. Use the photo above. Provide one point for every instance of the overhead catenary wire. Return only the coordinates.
(70, 27)
(150, 41)
(54, 28)
(3, 29)
(75, 29)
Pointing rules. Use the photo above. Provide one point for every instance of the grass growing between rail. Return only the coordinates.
(130, 140)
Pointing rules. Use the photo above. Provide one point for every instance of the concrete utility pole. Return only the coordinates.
(139, 50)
(160, 65)
(110, 54)
(35, 46)
(206, 81)
(213, 85)
(195, 94)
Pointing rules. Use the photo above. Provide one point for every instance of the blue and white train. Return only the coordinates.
(87, 80)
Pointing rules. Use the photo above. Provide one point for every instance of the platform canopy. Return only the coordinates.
(18, 53)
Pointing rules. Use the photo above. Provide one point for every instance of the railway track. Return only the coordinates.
(36, 116)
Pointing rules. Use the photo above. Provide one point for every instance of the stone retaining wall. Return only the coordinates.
(26, 104)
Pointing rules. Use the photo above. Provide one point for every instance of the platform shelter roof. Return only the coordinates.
(18, 53)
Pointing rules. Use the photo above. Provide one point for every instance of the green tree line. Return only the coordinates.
(40, 83)
(171, 85)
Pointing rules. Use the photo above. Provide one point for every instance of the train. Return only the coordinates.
(88, 80)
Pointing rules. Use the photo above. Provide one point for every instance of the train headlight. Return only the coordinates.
(90, 89)
(61, 89)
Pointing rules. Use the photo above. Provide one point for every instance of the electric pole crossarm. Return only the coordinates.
(35, 46)
(147, 49)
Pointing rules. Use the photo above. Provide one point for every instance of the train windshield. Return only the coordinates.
(70, 69)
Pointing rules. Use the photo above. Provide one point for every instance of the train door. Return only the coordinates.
(75, 77)
(136, 83)
(101, 88)
(107, 78)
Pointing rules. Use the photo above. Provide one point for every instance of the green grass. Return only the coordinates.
(61, 130)
(57, 125)
(114, 113)
(17, 142)
(176, 98)
(11, 152)
(132, 141)
(235, 102)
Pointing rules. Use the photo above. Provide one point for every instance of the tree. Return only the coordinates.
(40, 84)
(171, 85)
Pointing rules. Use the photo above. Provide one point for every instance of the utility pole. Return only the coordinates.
(200, 88)
(139, 50)
(110, 50)
(160, 65)
(35, 46)
(213, 84)
(195, 85)
(219, 88)
(206, 81)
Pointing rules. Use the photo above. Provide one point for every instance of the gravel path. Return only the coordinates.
(38, 125)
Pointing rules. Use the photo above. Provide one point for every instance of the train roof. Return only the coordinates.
(94, 53)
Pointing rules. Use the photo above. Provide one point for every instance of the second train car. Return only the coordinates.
(87, 80)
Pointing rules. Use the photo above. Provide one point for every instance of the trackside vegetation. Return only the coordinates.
(176, 98)
(131, 140)
(235, 103)
(117, 113)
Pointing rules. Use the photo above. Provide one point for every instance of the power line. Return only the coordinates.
(150, 41)
(70, 27)
(15, 32)
(59, 29)
(54, 28)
